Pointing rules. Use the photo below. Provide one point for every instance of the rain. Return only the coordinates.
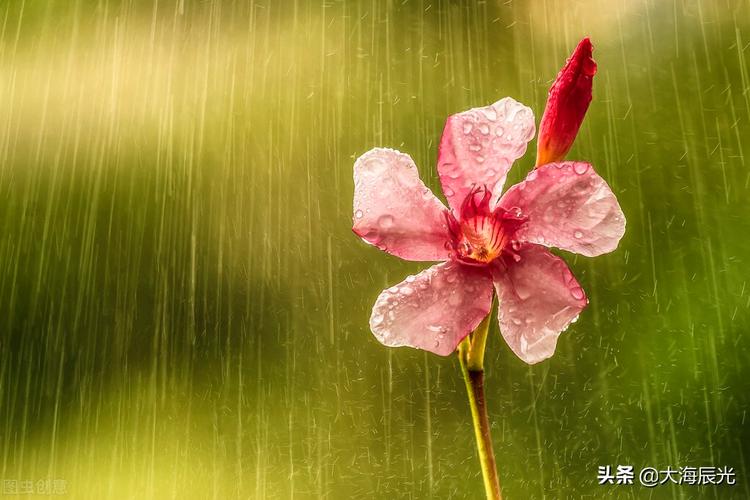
(184, 309)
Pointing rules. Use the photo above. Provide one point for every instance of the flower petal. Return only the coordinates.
(539, 298)
(433, 310)
(479, 146)
(569, 207)
(394, 210)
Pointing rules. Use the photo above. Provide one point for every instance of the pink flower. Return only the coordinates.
(486, 241)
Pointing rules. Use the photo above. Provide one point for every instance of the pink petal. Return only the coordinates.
(433, 310)
(394, 210)
(479, 146)
(570, 207)
(539, 298)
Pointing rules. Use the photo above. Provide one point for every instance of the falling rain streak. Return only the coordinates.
(184, 309)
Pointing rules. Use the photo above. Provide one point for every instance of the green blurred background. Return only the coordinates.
(184, 309)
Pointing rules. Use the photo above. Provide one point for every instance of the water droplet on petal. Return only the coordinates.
(410, 278)
(577, 293)
(406, 290)
(523, 292)
(580, 168)
(578, 234)
(385, 221)
(499, 131)
(490, 114)
(358, 214)
(448, 191)
(467, 127)
(524, 344)
(484, 129)
(372, 236)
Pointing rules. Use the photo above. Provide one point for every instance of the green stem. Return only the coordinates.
(471, 357)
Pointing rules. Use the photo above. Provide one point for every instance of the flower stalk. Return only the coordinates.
(471, 357)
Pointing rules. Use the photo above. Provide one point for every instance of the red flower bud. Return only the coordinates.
(568, 100)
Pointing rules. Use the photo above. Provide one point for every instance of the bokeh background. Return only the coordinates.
(184, 309)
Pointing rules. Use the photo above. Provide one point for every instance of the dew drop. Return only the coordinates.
(372, 236)
(407, 290)
(480, 159)
(410, 278)
(448, 191)
(467, 127)
(385, 221)
(577, 293)
(475, 147)
(578, 234)
(580, 168)
(524, 344)
(523, 292)
(490, 114)
(358, 214)
(484, 129)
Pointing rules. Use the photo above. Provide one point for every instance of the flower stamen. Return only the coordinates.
(482, 234)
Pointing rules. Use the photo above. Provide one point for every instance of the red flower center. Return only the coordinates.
(482, 235)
